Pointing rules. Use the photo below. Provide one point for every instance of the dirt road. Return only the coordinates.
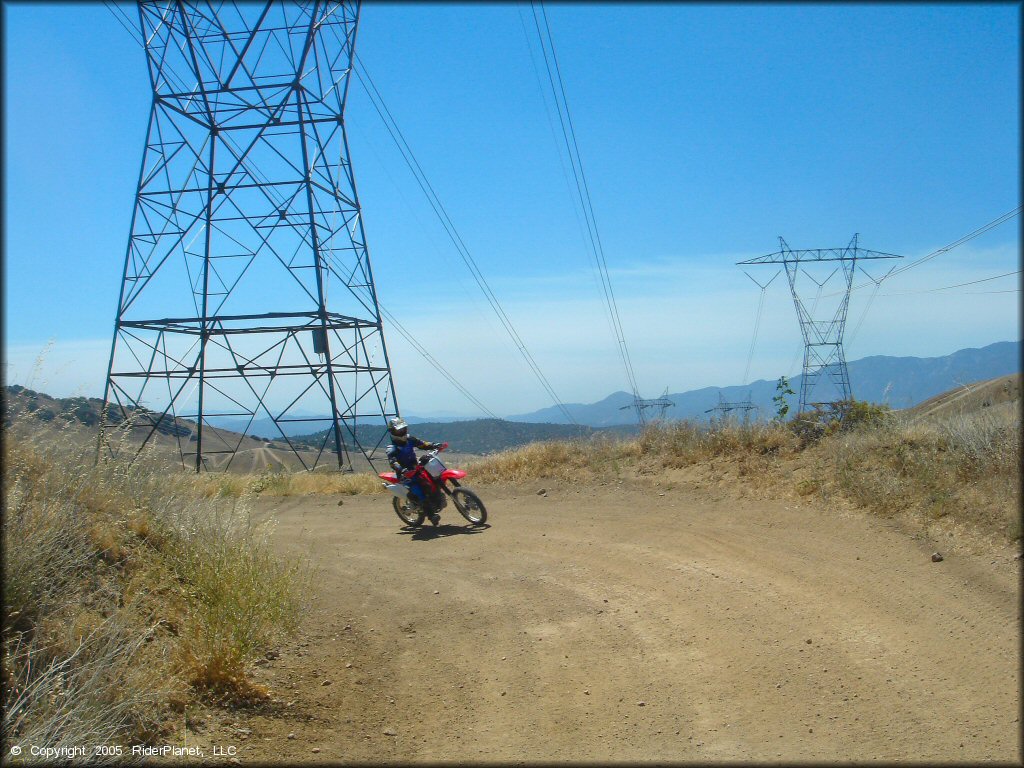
(637, 624)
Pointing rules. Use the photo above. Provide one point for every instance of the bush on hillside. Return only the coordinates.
(966, 468)
(811, 426)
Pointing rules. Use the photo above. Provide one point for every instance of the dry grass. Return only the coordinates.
(125, 593)
(564, 460)
(281, 483)
(659, 446)
(964, 467)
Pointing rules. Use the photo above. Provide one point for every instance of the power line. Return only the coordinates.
(966, 238)
(551, 128)
(878, 284)
(582, 188)
(757, 322)
(121, 17)
(442, 214)
(961, 285)
(980, 231)
(871, 300)
(583, 228)
(430, 359)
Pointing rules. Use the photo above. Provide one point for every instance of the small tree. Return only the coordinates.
(781, 406)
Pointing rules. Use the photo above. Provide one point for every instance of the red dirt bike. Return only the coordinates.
(434, 479)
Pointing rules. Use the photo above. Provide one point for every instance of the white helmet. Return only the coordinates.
(399, 429)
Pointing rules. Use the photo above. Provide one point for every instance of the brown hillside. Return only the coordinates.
(970, 398)
(79, 417)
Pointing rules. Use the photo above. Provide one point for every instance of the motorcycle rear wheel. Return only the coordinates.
(470, 506)
(408, 513)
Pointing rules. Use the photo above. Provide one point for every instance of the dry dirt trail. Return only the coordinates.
(631, 624)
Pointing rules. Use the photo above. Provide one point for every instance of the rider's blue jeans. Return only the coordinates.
(414, 487)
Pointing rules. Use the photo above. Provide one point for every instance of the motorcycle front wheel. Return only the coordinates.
(408, 513)
(470, 506)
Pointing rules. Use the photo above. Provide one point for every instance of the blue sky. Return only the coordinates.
(706, 132)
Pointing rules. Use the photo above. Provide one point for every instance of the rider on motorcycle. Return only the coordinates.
(402, 454)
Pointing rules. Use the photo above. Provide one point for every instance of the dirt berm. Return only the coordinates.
(627, 622)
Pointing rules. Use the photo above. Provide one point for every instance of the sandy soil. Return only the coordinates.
(628, 622)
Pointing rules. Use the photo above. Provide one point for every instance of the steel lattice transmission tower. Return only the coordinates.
(825, 376)
(721, 411)
(247, 290)
(641, 404)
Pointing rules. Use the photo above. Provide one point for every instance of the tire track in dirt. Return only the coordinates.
(630, 624)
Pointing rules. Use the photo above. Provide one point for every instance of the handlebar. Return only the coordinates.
(428, 455)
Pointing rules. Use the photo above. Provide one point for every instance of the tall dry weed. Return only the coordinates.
(95, 690)
(280, 483)
(245, 594)
(966, 467)
(123, 587)
(570, 460)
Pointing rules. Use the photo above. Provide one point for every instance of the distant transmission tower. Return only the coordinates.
(247, 291)
(641, 404)
(824, 358)
(721, 411)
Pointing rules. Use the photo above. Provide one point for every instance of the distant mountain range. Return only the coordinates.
(900, 382)
(304, 422)
(478, 436)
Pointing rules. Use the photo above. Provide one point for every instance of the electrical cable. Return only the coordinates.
(582, 187)
(132, 32)
(407, 335)
(757, 323)
(753, 340)
(430, 359)
(364, 78)
(985, 293)
(584, 228)
(870, 301)
(867, 306)
(551, 128)
(878, 284)
(976, 233)
(955, 244)
(470, 297)
(958, 285)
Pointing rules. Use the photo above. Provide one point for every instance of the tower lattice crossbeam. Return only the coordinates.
(247, 290)
(824, 357)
